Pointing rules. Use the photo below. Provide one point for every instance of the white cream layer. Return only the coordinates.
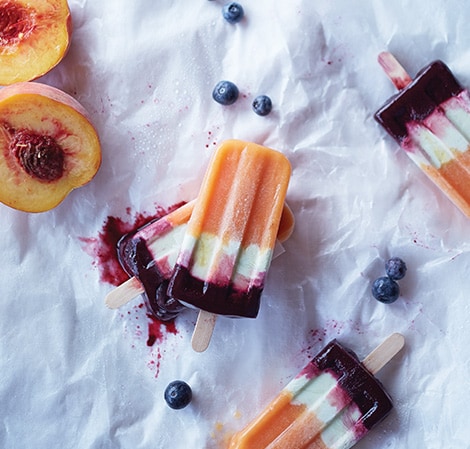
(321, 395)
(214, 260)
(443, 134)
(165, 247)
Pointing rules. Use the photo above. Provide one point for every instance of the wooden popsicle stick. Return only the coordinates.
(203, 331)
(394, 70)
(124, 293)
(383, 353)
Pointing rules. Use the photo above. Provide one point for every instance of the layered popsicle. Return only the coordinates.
(430, 119)
(228, 244)
(149, 256)
(331, 404)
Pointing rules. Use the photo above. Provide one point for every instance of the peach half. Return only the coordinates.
(34, 37)
(48, 146)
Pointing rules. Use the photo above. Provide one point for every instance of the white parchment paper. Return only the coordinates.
(74, 374)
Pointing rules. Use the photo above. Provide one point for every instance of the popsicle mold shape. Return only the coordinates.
(331, 404)
(430, 119)
(228, 245)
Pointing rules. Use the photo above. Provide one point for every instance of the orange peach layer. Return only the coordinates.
(278, 416)
(244, 187)
(181, 216)
(453, 178)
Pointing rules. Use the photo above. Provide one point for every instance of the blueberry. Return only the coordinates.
(262, 105)
(385, 290)
(178, 394)
(233, 12)
(225, 92)
(395, 268)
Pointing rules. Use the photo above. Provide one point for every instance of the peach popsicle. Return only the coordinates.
(149, 255)
(331, 404)
(430, 119)
(228, 244)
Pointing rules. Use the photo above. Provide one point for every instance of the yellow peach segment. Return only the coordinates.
(34, 37)
(48, 146)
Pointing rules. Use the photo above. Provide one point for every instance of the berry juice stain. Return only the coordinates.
(319, 337)
(158, 330)
(211, 139)
(103, 250)
(137, 320)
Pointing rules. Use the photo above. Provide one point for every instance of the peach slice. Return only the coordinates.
(34, 37)
(48, 146)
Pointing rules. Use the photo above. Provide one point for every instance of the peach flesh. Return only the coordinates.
(15, 23)
(34, 38)
(48, 146)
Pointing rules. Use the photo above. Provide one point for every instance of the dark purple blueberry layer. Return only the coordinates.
(360, 385)
(137, 261)
(433, 85)
(219, 299)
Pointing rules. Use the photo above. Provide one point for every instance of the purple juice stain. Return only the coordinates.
(105, 250)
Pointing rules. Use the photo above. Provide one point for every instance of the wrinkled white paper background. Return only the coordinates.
(74, 374)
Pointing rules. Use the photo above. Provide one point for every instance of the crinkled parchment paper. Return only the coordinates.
(75, 374)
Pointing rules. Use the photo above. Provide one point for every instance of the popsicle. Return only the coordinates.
(430, 119)
(149, 255)
(228, 244)
(331, 404)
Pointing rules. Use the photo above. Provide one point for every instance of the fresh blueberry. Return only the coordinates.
(262, 105)
(385, 289)
(225, 92)
(178, 394)
(233, 12)
(395, 268)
